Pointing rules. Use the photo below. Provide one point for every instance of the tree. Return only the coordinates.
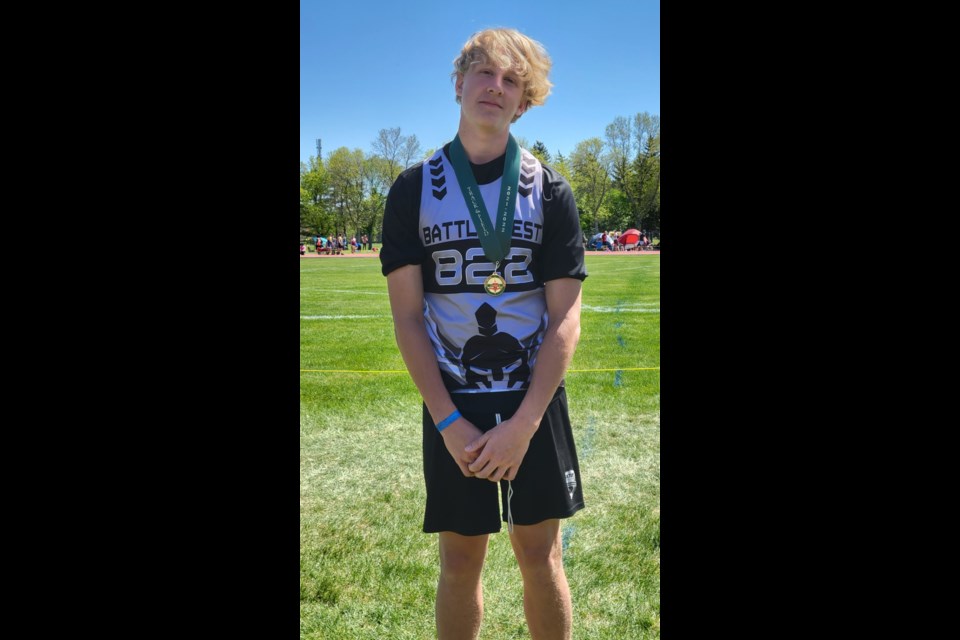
(620, 143)
(373, 213)
(314, 197)
(635, 161)
(647, 169)
(540, 151)
(397, 150)
(591, 177)
(377, 183)
(562, 166)
(620, 213)
(314, 179)
(388, 146)
(411, 151)
(304, 210)
(348, 186)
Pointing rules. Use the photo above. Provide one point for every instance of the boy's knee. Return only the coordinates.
(539, 555)
(462, 563)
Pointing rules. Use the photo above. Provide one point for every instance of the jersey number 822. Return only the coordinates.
(450, 266)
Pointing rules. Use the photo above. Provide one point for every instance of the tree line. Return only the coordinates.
(615, 180)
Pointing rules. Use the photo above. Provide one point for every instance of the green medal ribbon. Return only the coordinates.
(495, 241)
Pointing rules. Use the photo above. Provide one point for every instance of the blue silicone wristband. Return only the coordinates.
(446, 422)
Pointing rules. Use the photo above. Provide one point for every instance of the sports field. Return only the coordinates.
(366, 569)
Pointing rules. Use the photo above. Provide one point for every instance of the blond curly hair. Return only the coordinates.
(509, 49)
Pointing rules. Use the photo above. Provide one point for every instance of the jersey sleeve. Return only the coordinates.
(401, 220)
(563, 255)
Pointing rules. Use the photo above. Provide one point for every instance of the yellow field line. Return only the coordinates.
(404, 371)
(622, 369)
(348, 371)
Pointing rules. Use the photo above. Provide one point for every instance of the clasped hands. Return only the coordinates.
(495, 455)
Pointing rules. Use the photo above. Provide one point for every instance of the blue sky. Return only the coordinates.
(367, 65)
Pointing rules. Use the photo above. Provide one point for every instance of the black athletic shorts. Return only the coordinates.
(547, 485)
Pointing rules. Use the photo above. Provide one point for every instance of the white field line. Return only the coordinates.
(633, 308)
(351, 291)
(345, 317)
(647, 267)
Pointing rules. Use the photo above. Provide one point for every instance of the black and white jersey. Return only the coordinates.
(483, 342)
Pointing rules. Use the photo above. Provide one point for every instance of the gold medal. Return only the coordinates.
(494, 284)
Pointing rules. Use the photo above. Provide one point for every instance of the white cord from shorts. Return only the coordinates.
(509, 496)
(509, 513)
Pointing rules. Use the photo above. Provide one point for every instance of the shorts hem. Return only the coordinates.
(566, 514)
(449, 530)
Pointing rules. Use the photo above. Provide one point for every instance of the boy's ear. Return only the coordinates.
(459, 85)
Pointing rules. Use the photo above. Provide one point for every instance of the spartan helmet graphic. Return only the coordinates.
(493, 353)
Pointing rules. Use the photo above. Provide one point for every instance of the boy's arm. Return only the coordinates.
(405, 287)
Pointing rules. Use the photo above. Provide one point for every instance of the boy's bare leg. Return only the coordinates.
(459, 591)
(546, 594)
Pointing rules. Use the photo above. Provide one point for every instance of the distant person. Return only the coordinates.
(486, 308)
(303, 248)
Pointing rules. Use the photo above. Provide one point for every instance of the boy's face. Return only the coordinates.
(490, 96)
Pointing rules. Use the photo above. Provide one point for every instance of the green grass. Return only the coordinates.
(366, 569)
